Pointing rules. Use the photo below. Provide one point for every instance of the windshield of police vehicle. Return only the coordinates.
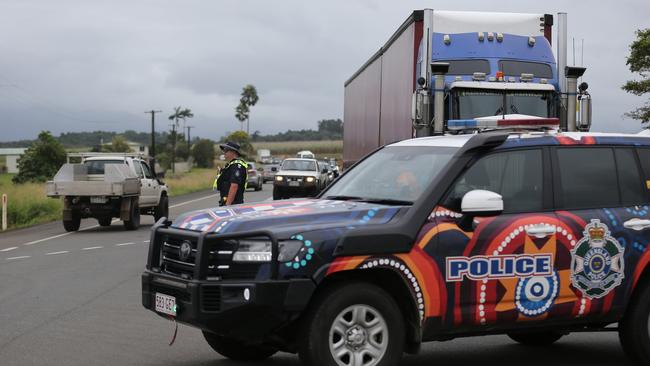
(474, 103)
(298, 165)
(400, 173)
(97, 166)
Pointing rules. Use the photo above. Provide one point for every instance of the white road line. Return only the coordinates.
(55, 253)
(91, 248)
(192, 201)
(8, 249)
(21, 257)
(146, 241)
(123, 244)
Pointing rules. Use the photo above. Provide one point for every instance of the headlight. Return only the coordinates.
(260, 251)
(310, 179)
(279, 178)
(253, 251)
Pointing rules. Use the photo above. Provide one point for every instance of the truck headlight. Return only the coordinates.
(279, 178)
(259, 251)
(310, 179)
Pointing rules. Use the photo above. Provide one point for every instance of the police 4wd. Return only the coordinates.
(530, 234)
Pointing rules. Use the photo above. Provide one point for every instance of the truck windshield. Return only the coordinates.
(475, 103)
(394, 173)
(299, 165)
(97, 166)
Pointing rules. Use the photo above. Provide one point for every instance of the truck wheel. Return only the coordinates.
(536, 338)
(634, 328)
(162, 210)
(354, 324)
(73, 224)
(236, 350)
(105, 221)
(134, 218)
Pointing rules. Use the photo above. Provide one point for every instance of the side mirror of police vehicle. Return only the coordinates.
(479, 203)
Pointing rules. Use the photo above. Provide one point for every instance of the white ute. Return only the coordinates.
(108, 185)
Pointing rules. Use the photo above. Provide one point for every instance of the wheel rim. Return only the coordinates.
(358, 336)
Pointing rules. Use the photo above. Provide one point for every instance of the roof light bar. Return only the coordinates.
(526, 77)
(483, 124)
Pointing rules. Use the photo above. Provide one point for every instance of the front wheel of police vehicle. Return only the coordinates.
(634, 328)
(357, 324)
(237, 350)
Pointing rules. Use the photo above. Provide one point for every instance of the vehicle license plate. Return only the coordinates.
(165, 304)
(294, 184)
(97, 199)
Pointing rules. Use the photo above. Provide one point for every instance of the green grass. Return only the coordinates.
(290, 148)
(194, 181)
(27, 203)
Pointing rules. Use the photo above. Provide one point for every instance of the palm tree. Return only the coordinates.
(179, 114)
(241, 113)
(248, 99)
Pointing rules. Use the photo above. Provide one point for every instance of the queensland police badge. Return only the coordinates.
(597, 264)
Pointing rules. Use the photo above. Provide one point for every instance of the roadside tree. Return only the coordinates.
(639, 62)
(203, 153)
(41, 160)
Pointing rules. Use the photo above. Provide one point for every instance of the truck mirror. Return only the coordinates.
(416, 107)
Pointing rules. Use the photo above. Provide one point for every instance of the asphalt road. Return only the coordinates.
(74, 299)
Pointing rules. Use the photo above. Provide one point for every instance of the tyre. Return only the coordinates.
(134, 218)
(72, 224)
(536, 338)
(237, 350)
(353, 324)
(277, 193)
(258, 187)
(634, 328)
(162, 210)
(105, 221)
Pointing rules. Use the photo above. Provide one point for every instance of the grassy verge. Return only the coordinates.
(194, 181)
(27, 203)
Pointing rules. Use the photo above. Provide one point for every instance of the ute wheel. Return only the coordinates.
(536, 338)
(162, 210)
(277, 194)
(353, 324)
(237, 350)
(105, 221)
(134, 218)
(73, 224)
(634, 328)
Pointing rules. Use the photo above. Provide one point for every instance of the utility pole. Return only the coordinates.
(189, 140)
(153, 133)
(173, 147)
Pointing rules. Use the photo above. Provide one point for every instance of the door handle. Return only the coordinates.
(637, 224)
(540, 231)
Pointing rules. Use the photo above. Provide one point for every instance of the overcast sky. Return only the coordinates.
(83, 65)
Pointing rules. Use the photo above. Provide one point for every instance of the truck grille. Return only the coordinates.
(220, 264)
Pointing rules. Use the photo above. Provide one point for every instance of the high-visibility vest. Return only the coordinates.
(239, 161)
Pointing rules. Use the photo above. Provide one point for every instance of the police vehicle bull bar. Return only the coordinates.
(203, 249)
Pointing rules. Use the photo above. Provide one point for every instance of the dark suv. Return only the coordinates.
(533, 235)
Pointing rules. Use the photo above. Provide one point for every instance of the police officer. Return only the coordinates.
(231, 182)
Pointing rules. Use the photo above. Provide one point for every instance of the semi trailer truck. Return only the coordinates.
(448, 72)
